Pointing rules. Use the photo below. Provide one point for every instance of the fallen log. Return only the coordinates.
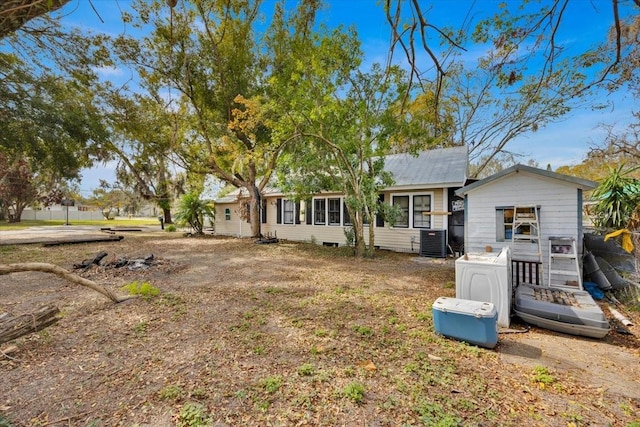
(59, 271)
(12, 327)
(86, 239)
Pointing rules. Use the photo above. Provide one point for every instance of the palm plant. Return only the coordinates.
(192, 211)
(617, 198)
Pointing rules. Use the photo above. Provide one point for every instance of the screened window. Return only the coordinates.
(288, 211)
(227, 214)
(308, 210)
(334, 211)
(319, 211)
(422, 211)
(402, 202)
(347, 217)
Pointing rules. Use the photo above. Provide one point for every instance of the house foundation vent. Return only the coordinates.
(433, 243)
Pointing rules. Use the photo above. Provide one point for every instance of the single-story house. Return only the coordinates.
(424, 189)
(489, 209)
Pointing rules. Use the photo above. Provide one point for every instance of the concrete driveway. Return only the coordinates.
(67, 234)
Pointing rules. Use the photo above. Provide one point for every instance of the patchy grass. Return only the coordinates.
(287, 334)
(118, 222)
(143, 289)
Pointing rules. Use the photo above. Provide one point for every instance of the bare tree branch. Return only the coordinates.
(59, 271)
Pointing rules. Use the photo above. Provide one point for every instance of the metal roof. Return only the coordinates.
(437, 167)
(578, 182)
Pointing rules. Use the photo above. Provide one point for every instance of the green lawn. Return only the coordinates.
(102, 223)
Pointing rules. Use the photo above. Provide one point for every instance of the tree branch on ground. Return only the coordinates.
(59, 271)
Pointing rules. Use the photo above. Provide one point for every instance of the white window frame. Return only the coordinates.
(285, 204)
(227, 214)
(345, 213)
(316, 211)
(411, 195)
(413, 211)
(329, 212)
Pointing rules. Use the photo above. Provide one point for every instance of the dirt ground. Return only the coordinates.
(287, 335)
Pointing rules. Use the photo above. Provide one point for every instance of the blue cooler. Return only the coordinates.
(475, 322)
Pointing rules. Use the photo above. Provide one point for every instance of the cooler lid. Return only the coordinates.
(464, 306)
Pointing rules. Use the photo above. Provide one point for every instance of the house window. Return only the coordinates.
(402, 202)
(347, 217)
(227, 214)
(308, 211)
(380, 215)
(504, 222)
(319, 211)
(422, 211)
(334, 211)
(288, 211)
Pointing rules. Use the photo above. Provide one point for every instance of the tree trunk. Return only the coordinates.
(17, 215)
(358, 232)
(59, 271)
(166, 213)
(371, 250)
(254, 212)
(14, 327)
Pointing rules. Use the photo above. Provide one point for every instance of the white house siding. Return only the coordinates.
(234, 226)
(558, 202)
(408, 239)
(397, 239)
(392, 238)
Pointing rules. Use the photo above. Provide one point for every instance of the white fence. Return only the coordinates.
(60, 215)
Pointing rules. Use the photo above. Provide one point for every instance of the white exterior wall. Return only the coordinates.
(397, 239)
(408, 239)
(235, 226)
(559, 211)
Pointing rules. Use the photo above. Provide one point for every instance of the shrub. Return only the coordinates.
(192, 211)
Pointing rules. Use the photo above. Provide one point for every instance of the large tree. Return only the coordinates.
(212, 56)
(17, 188)
(145, 135)
(525, 79)
(50, 122)
(345, 121)
(49, 115)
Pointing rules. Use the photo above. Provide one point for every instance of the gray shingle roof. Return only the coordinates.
(441, 166)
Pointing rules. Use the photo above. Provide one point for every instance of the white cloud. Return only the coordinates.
(109, 72)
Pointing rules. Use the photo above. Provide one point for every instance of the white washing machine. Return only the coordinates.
(486, 277)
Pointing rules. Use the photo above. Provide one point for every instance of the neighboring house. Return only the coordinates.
(489, 207)
(424, 189)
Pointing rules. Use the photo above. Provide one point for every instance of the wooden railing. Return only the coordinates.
(528, 272)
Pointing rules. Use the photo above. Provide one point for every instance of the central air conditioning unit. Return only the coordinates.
(433, 243)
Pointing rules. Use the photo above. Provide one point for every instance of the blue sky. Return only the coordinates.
(557, 144)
